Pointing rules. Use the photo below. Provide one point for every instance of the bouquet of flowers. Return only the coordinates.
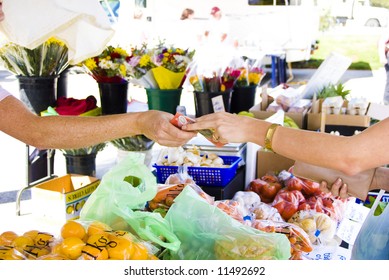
(111, 66)
(251, 73)
(161, 67)
(48, 59)
(219, 80)
(85, 151)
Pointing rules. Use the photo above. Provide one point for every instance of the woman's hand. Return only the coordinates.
(156, 126)
(227, 127)
(338, 188)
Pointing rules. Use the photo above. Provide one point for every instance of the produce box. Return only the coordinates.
(62, 198)
(268, 161)
(314, 119)
(299, 118)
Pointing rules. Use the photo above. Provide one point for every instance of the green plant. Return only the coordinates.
(133, 143)
(333, 90)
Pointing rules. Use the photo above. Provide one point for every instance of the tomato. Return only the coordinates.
(266, 190)
(294, 183)
(287, 202)
(310, 187)
(316, 203)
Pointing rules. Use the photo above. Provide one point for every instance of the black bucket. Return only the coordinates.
(62, 84)
(204, 105)
(82, 164)
(38, 93)
(243, 98)
(113, 98)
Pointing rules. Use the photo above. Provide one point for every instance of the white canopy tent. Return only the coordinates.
(82, 25)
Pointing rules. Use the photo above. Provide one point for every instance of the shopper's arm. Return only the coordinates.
(74, 132)
(350, 155)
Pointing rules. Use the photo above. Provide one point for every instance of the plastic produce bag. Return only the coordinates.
(122, 191)
(207, 233)
(372, 242)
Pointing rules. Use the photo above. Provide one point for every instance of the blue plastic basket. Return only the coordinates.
(204, 176)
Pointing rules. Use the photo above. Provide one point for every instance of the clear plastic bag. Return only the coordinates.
(207, 233)
(372, 242)
(122, 192)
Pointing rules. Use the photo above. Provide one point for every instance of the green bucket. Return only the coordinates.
(165, 100)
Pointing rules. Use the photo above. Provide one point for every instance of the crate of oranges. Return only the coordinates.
(77, 241)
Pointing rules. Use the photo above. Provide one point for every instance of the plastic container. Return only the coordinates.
(203, 176)
(113, 98)
(165, 100)
(38, 93)
(82, 164)
(243, 98)
(203, 102)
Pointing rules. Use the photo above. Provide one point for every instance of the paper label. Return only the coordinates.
(218, 104)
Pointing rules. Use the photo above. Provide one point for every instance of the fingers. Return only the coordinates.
(337, 189)
(336, 186)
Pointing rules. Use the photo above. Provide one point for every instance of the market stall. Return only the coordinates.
(201, 201)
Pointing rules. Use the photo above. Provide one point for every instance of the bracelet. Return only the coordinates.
(269, 136)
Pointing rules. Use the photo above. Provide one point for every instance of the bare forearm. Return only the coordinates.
(76, 132)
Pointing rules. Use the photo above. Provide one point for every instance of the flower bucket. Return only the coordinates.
(38, 93)
(165, 100)
(203, 102)
(243, 98)
(113, 98)
(81, 164)
(62, 84)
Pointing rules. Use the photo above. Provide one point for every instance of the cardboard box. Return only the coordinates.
(299, 118)
(62, 198)
(268, 162)
(314, 119)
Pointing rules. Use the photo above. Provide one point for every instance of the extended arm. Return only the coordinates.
(350, 155)
(66, 132)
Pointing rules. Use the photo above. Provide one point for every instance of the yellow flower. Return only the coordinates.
(122, 70)
(90, 63)
(121, 51)
(53, 40)
(254, 78)
(193, 79)
(222, 87)
(144, 60)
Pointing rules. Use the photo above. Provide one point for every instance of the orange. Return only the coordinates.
(31, 233)
(8, 253)
(7, 237)
(122, 234)
(34, 252)
(43, 239)
(120, 248)
(57, 248)
(73, 229)
(52, 256)
(98, 227)
(72, 247)
(153, 257)
(90, 252)
(98, 239)
(140, 252)
(21, 242)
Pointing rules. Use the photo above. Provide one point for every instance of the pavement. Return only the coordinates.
(369, 84)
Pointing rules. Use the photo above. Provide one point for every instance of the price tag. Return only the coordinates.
(218, 104)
